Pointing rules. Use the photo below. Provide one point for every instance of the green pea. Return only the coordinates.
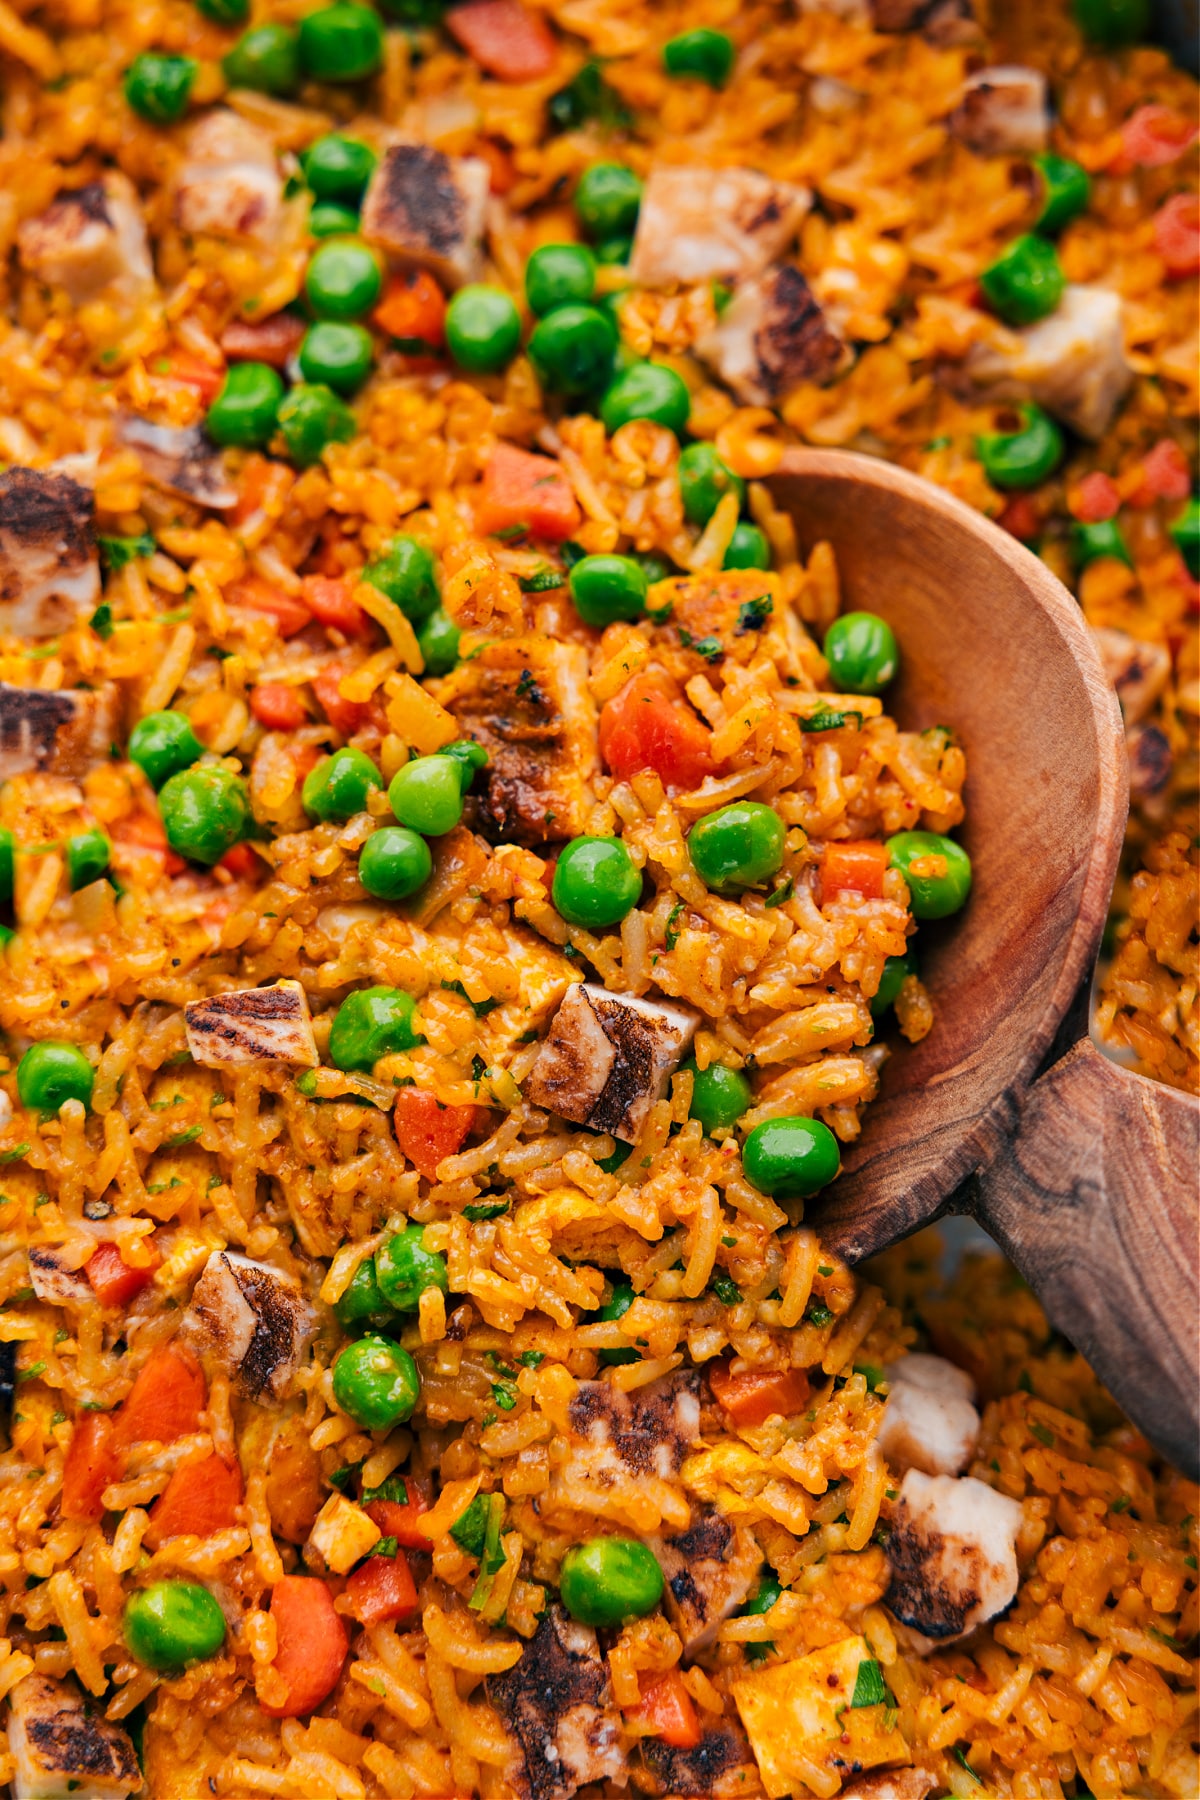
(406, 574)
(162, 744)
(159, 87)
(648, 390)
(225, 12)
(896, 971)
(337, 354)
(616, 1308)
(737, 846)
(376, 1383)
(1025, 458)
(1089, 543)
(88, 854)
(1066, 190)
(426, 794)
(246, 407)
(339, 785)
(1025, 282)
(404, 1269)
(338, 168)
(362, 1303)
(343, 279)
(172, 1623)
(862, 653)
(608, 1580)
(719, 1096)
(311, 417)
(934, 891)
(704, 481)
(1185, 533)
(438, 641)
(607, 200)
(468, 757)
(615, 252)
(341, 43)
(394, 862)
(205, 812)
(370, 1023)
(329, 218)
(559, 275)
(267, 59)
(789, 1159)
(572, 349)
(1113, 24)
(8, 864)
(748, 548)
(708, 55)
(605, 588)
(483, 329)
(596, 882)
(51, 1073)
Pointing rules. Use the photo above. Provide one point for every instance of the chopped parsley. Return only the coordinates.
(531, 1359)
(387, 1546)
(588, 96)
(101, 620)
(470, 1528)
(707, 647)
(1044, 1435)
(504, 1395)
(394, 1489)
(783, 892)
(753, 614)
(870, 1689)
(481, 1008)
(343, 1479)
(116, 552)
(512, 531)
(671, 937)
(870, 1373)
(15, 1154)
(818, 1314)
(542, 581)
(726, 1288)
(827, 720)
(184, 1137)
(1121, 1505)
(489, 1209)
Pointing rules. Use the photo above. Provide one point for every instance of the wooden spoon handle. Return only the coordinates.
(1094, 1197)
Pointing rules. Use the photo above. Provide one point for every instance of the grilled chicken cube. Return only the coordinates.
(1139, 671)
(229, 184)
(940, 22)
(270, 1024)
(559, 1711)
(184, 461)
(712, 225)
(426, 210)
(342, 1535)
(710, 1569)
(647, 1432)
(1072, 363)
(62, 1745)
(891, 1784)
(1004, 111)
(953, 1554)
(719, 1767)
(91, 239)
(608, 1058)
(770, 337)
(1150, 762)
(55, 731)
(252, 1320)
(526, 700)
(51, 1279)
(929, 1422)
(802, 1713)
(49, 569)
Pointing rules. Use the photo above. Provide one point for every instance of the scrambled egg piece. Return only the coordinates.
(814, 1721)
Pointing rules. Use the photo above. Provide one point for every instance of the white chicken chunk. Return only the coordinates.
(710, 1570)
(91, 240)
(608, 1057)
(940, 22)
(712, 225)
(62, 1745)
(52, 1279)
(252, 1320)
(558, 1708)
(269, 1024)
(182, 460)
(1004, 111)
(770, 337)
(620, 1436)
(341, 1535)
(1139, 671)
(229, 184)
(952, 1550)
(59, 731)
(720, 1767)
(891, 1784)
(929, 1422)
(426, 210)
(49, 568)
(1072, 363)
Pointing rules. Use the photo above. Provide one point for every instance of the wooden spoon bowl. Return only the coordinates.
(1084, 1172)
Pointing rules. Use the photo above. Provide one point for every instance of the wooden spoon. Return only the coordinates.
(1084, 1172)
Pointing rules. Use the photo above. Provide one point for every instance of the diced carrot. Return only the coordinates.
(751, 1398)
(1177, 234)
(258, 479)
(666, 1708)
(1020, 518)
(382, 1590)
(398, 1519)
(240, 862)
(1165, 475)
(288, 610)
(501, 173)
(504, 39)
(1095, 499)
(427, 1131)
(274, 340)
(277, 706)
(346, 716)
(204, 378)
(165, 1402)
(200, 1498)
(1154, 136)
(413, 310)
(114, 1283)
(331, 602)
(649, 725)
(857, 867)
(531, 491)
(312, 1643)
(92, 1464)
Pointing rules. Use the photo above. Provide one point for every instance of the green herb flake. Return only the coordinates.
(116, 552)
(1043, 1435)
(505, 1396)
(481, 1008)
(753, 614)
(542, 581)
(824, 1269)
(870, 1689)
(828, 720)
(343, 1479)
(658, 615)
(707, 647)
(184, 1137)
(15, 1154)
(490, 1209)
(1121, 1505)
(818, 1314)
(511, 532)
(469, 1530)
(387, 1546)
(871, 1374)
(960, 1757)
(531, 1359)
(31, 1374)
(783, 892)
(394, 1489)
(101, 621)
(726, 1289)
